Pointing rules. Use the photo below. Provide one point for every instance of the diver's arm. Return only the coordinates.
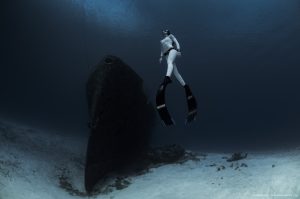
(176, 42)
(161, 56)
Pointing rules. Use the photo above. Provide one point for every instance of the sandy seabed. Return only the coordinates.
(32, 160)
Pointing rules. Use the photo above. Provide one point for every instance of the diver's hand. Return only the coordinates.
(178, 53)
(160, 60)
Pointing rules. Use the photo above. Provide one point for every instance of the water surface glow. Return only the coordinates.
(117, 14)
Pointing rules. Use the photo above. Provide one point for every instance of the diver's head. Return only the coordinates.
(166, 32)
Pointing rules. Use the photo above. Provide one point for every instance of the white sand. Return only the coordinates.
(31, 160)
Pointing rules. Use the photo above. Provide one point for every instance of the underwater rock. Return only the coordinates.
(221, 167)
(237, 156)
(165, 154)
(169, 154)
(244, 165)
(121, 119)
(152, 158)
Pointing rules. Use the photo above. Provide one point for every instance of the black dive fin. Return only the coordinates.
(191, 103)
(161, 106)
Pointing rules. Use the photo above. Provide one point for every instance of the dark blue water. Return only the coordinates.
(241, 58)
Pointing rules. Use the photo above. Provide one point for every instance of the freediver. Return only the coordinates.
(170, 48)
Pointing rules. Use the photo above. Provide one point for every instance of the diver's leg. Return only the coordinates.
(178, 76)
(170, 60)
(160, 95)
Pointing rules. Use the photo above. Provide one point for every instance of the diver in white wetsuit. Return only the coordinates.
(170, 48)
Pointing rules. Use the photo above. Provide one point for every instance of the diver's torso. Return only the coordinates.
(166, 44)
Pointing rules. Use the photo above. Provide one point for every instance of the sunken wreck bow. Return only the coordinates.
(121, 119)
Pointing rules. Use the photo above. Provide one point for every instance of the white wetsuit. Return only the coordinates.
(166, 44)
